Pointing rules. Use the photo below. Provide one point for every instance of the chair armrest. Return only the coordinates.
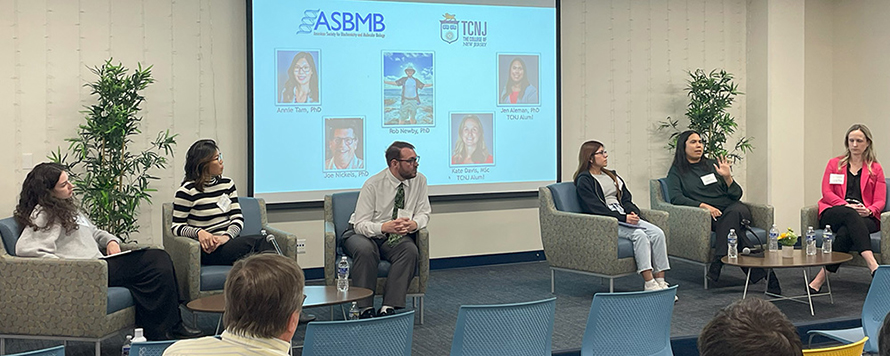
(423, 257)
(286, 241)
(186, 255)
(690, 232)
(136, 246)
(330, 252)
(38, 293)
(656, 217)
(762, 215)
(809, 216)
(885, 237)
(582, 242)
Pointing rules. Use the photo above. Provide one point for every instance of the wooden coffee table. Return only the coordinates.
(799, 259)
(316, 296)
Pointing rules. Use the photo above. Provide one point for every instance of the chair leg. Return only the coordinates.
(552, 281)
(705, 275)
(98, 348)
(611, 285)
(2, 346)
(421, 310)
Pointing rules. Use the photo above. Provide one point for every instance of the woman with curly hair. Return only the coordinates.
(53, 227)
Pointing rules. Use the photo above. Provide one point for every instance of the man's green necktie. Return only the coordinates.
(398, 204)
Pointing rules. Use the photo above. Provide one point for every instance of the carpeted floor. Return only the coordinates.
(448, 289)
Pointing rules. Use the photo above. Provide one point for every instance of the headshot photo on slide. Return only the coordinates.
(344, 144)
(298, 77)
(518, 79)
(472, 138)
(408, 91)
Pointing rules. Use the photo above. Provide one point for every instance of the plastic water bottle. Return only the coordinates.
(827, 239)
(353, 312)
(138, 336)
(811, 241)
(125, 350)
(733, 241)
(343, 275)
(773, 238)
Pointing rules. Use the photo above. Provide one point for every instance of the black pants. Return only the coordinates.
(366, 254)
(148, 274)
(850, 230)
(731, 219)
(235, 249)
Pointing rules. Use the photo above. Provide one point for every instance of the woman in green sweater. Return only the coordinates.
(694, 180)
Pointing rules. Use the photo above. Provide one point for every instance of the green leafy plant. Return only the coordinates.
(788, 238)
(710, 95)
(110, 178)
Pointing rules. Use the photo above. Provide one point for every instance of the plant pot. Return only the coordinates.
(787, 251)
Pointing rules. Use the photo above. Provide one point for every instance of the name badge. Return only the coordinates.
(224, 203)
(708, 179)
(836, 179)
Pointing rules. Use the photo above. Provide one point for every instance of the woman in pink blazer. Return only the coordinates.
(853, 196)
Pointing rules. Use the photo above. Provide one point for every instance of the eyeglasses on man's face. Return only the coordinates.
(347, 140)
(412, 160)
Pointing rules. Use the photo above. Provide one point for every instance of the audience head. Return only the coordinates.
(203, 162)
(47, 185)
(264, 297)
(586, 156)
(858, 141)
(402, 160)
(689, 147)
(750, 327)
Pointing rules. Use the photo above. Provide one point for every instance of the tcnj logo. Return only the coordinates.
(318, 20)
(473, 32)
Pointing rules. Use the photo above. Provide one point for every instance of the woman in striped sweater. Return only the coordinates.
(206, 208)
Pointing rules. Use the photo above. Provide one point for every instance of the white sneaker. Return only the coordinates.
(662, 283)
(651, 285)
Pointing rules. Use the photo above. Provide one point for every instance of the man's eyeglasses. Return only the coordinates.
(603, 152)
(415, 159)
(347, 140)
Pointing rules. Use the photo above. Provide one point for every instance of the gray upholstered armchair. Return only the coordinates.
(809, 216)
(58, 299)
(691, 238)
(197, 281)
(338, 208)
(584, 243)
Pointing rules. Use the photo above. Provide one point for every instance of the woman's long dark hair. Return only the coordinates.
(523, 83)
(37, 189)
(199, 155)
(585, 155)
(680, 160)
(291, 83)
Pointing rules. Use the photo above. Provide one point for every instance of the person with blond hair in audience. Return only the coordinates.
(264, 298)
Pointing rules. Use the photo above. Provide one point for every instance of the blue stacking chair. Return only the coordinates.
(632, 323)
(150, 348)
(52, 351)
(875, 308)
(383, 336)
(505, 329)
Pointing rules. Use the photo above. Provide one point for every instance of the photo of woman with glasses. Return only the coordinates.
(344, 144)
(301, 85)
(206, 208)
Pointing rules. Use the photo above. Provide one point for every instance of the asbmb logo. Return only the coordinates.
(448, 30)
(315, 20)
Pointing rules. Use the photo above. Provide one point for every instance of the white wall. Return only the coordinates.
(623, 64)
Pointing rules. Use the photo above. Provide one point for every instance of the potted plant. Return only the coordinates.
(710, 96)
(110, 177)
(787, 240)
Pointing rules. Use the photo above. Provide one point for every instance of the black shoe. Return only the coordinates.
(387, 312)
(182, 331)
(368, 313)
(814, 291)
(715, 269)
(306, 318)
(873, 274)
(773, 285)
